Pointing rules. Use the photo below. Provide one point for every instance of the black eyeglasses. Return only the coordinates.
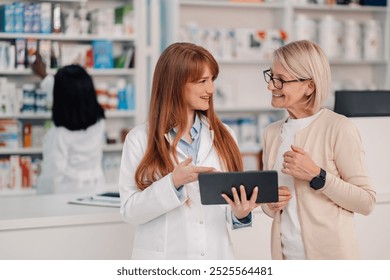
(278, 83)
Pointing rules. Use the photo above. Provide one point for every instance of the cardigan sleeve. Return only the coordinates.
(352, 189)
(264, 207)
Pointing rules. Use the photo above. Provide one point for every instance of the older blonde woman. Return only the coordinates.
(319, 157)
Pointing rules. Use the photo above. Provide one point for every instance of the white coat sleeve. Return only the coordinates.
(54, 162)
(47, 85)
(139, 207)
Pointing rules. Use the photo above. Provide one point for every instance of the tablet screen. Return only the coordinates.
(212, 185)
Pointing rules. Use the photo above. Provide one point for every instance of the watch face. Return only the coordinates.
(317, 183)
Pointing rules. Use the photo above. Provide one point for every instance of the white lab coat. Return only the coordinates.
(47, 85)
(166, 226)
(72, 160)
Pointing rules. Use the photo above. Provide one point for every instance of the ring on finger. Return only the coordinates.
(275, 205)
(238, 203)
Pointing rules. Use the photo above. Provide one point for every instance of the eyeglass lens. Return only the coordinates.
(268, 77)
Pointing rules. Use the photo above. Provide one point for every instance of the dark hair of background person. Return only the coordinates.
(75, 104)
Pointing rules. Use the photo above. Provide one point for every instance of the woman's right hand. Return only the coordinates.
(38, 66)
(185, 173)
(284, 197)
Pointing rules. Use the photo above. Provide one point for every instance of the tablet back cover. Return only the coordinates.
(212, 185)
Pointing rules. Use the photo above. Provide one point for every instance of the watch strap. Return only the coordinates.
(318, 181)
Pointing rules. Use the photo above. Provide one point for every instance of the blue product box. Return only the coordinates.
(45, 17)
(130, 98)
(18, 17)
(7, 18)
(103, 54)
(28, 18)
(36, 18)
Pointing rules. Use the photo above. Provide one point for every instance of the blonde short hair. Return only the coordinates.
(306, 60)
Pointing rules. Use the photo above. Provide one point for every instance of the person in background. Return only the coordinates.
(161, 160)
(73, 146)
(318, 155)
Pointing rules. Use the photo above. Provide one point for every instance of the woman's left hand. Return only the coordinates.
(299, 164)
(242, 208)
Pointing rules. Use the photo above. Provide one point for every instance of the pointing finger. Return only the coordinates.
(201, 169)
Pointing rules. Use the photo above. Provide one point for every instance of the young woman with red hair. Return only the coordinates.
(161, 161)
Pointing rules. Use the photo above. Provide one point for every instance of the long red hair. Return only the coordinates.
(179, 64)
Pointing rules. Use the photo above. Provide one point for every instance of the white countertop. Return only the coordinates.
(39, 211)
(51, 211)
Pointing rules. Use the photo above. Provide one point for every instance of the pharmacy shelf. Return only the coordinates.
(243, 62)
(38, 151)
(91, 71)
(119, 114)
(111, 72)
(113, 148)
(67, 37)
(232, 4)
(28, 116)
(282, 14)
(20, 151)
(339, 8)
(146, 43)
(45, 116)
(357, 62)
(68, 1)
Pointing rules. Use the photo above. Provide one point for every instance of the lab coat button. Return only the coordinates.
(201, 222)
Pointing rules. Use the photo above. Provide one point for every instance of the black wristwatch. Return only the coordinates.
(318, 181)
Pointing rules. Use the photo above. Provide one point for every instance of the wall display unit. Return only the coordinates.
(242, 35)
(356, 39)
(113, 40)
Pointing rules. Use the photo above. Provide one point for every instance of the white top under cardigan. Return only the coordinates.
(290, 227)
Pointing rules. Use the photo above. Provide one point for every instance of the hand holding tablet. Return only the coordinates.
(241, 204)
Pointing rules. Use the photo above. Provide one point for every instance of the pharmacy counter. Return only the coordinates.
(47, 227)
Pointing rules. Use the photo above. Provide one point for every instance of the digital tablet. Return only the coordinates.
(212, 185)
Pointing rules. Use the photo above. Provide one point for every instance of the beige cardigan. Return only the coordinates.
(326, 215)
